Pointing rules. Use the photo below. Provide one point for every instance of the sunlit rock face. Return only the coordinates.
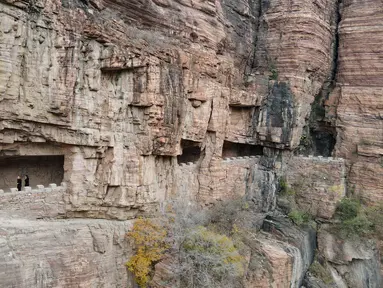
(119, 86)
(357, 100)
(147, 99)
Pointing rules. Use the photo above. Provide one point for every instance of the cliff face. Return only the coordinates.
(128, 93)
(118, 87)
(358, 97)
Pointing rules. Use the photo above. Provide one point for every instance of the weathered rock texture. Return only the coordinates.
(120, 88)
(354, 263)
(316, 183)
(35, 204)
(67, 253)
(358, 97)
(115, 87)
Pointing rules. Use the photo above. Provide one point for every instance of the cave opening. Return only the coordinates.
(323, 141)
(191, 151)
(232, 149)
(41, 170)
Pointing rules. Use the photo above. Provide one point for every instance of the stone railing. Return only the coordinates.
(321, 158)
(188, 164)
(240, 158)
(226, 160)
(39, 188)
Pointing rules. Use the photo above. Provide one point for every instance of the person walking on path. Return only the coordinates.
(19, 183)
(26, 181)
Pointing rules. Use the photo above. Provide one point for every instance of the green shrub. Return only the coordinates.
(274, 72)
(348, 209)
(375, 216)
(321, 272)
(357, 226)
(299, 217)
(285, 188)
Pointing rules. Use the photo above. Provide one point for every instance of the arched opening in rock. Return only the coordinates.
(232, 149)
(41, 170)
(191, 151)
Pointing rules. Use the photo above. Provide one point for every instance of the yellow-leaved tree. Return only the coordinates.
(150, 245)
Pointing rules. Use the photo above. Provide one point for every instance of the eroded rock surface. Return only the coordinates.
(357, 98)
(354, 263)
(119, 89)
(67, 253)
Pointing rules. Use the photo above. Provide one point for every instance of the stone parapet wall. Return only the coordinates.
(225, 179)
(35, 203)
(39, 188)
(318, 183)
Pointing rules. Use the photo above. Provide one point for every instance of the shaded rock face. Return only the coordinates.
(354, 263)
(300, 245)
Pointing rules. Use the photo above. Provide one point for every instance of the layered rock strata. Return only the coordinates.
(119, 92)
(67, 253)
(119, 89)
(357, 99)
(353, 262)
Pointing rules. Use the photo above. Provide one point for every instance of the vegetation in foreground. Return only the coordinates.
(201, 242)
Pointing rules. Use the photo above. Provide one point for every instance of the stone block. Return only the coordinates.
(28, 189)
(1, 191)
(40, 187)
(14, 190)
(53, 185)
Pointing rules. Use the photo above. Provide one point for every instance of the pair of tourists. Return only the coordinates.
(19, 182)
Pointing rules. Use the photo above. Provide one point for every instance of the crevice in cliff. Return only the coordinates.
(252, 62)
(256, 35)
(319, 135)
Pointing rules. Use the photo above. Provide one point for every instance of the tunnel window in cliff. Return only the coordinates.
(232, 149)
(191, 151)
(41, 170)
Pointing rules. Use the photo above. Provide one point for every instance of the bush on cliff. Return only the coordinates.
(299, 217)
(354, 221)
(375, 216)
(321, 272)
(203, 256)
(348, 209)
(149, 240)
(208, 259)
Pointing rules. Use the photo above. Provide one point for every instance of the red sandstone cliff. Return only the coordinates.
(120, 88)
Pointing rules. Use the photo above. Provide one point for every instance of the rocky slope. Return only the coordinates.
(130, 92)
